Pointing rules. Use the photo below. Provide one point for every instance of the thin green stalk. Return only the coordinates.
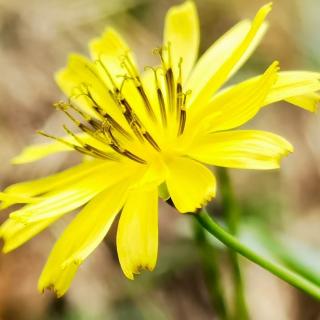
(232, 213)
(233, 243)
(209, 257)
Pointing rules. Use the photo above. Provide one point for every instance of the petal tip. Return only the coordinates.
(6, 248)
(264, 11)
(268, 6)
(50, 287)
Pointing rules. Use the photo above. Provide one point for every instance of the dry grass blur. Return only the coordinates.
(35, 39)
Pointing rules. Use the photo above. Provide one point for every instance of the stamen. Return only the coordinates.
(170, 87)
(136, 125)
(83, 114)
(116, 147)
(95, 123)
(90, 148)
(100, 112)
(170, 79)
(149, 138)
(84, 91)
(127, 154)
(62, 106)
(183, 113)
(105, 69)
(100, 153)
(131, 119)
(103, 127)
(180, 95)
(129, 65)
(117, 126)
(159, 51)
(160, 97)
(169, 76)
(133, 73)
(142, 93)
(182, 120)
(75, 147)
(71, 145)
(94, 73)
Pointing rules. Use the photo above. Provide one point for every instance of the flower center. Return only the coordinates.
(148, 124)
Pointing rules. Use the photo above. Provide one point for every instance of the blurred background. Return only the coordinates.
(280, 209)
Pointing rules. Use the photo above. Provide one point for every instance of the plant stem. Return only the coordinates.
(209, 257)
(233, 243)
(232, 214)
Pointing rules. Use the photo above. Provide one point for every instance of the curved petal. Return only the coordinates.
(291, 84)
(15, 233)
(76, 194)
(246, 149)
(87, 87)
(190, 184)
(225, 57)
(110, 51)
(181, 33)
(8, 199)
(32, 188)
(235, 106)
(39, 151)
(81, 237)
(308, 101)
(114, 59)
(137, 235)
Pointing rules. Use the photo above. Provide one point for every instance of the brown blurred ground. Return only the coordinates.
(35, 38)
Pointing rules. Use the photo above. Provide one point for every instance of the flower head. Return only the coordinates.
(145, 132)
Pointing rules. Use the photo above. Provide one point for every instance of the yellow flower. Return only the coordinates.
(144, 133)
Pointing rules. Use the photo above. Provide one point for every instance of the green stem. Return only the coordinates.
(209, 257)
(232, 214)
(230, 241)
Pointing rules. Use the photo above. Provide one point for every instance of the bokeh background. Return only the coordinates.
(280, 209)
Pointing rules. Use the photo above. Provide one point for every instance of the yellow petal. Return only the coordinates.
(294, 83)
(110, 49)
(246, 149)
(29, 189)
(113, 56)
(181, 33)
(74, 195)
(82, 76)
(9, 199)
(39, 151)
(15, 233)
(190, 184)
(235, 106)
(80, 238)
(137, 235)
(308, 101)
(225, 57)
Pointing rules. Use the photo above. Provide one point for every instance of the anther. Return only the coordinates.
(149, 138)
(160, 96)
(183, 113)
(71, 145)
